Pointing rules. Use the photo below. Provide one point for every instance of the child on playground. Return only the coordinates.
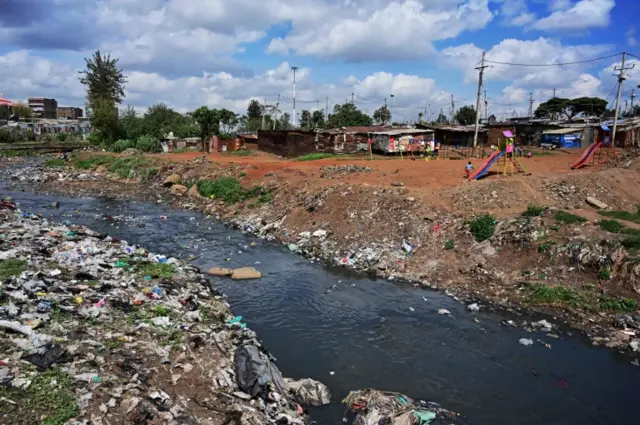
(468, 168)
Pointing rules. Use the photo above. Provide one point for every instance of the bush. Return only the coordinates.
(622, 215)
(534, 211)
(482, 227)
(55, 162)
(569, 218)
(227, 189)
(10, 135)
(613, 226)
(129, 168)
(265, 198)
(622, 305)
(147, 143)
(62, 137)
(449, 244)
(631, 242)
(122, 145)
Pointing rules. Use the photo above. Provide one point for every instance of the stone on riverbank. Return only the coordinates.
(172, 179)
(194, 192)
(102, 169)
(178, 189)
(246, 273)
(219, 271)
(596, 203)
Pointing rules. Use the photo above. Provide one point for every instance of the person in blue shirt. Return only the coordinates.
(468, 168)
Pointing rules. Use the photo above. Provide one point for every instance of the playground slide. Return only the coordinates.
(586, 155)
(485, 167)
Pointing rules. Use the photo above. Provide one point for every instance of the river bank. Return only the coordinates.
(95, 329)
(349, 331)
(548, 260)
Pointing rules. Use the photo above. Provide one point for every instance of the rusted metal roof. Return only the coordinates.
(454, 128)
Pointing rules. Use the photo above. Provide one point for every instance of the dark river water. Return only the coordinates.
(366, 335)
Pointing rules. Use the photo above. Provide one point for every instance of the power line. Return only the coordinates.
(554, 64)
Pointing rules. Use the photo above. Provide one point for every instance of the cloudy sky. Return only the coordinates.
(222, 53)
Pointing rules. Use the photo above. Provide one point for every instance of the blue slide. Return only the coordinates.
(485, 167)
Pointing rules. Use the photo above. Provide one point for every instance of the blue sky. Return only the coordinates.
(223, 53)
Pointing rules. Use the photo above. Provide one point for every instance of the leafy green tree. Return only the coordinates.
(466, 115)
(159, 120)
(348, 115)
(131, 125)
(22, 110)
(306, 122)
(4, 112)
(228, 119)
(420, 115)
(382, 115)
(208, 121)
(284, 123)
(318, 119)
(105, 84)
(559, 107)
(254, 110)
(185, 126)
(442, 118)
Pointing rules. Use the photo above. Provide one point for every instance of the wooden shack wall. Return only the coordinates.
(286, 143)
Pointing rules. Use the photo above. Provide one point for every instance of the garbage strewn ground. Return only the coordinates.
(94, 330)
(374, 407)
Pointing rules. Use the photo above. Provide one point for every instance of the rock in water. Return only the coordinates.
(219, 271)
(246, 273)
(178, 189)
(309, 392)
(172, 179)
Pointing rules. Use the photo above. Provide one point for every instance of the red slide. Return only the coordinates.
(487, 164)
(586, 155)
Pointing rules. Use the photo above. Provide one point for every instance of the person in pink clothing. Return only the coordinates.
(509, 149)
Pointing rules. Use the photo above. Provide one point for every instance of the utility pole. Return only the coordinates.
(317, 105)
(530, 105)
(554, 93)
(390, 112)
(429, 113)
(264, 111)
(453, 109)
(275, 112)
(295, 123)
(352, 98)
(326, 109)
(621, 78)
(486, 108)
(633, 96)
(480, 74)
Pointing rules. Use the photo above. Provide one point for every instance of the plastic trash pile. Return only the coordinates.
(96, 331)
(373, 407)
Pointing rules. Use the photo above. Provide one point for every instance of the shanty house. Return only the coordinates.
(399, 139)
(456, 135)
(345, 139)
(287, 143)
(562, 138)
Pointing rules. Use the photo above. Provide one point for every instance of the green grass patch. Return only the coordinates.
(227, 189)
(314, 156)
(567, 217)
(265, 198)
(632, 232)
(618, 304)
(129, 168)
(622, 215)
(631, 242)
(244, 152)
(482, 227)
(449, 244)
(156, 270)
(11, 267)
(55, 162)
(49, 400)
(613, 226)
(148, 173)
(92, 162)
(534, 211)
(546, 247)
(584, 298)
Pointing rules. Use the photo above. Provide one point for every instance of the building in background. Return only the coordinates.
(43, 107)
(69, 112)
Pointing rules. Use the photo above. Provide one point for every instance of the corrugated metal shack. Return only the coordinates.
(287, 143)
(456, 135)
(562, 138)
(399, 139)
(345, 139)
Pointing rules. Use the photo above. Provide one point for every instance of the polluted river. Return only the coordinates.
(351, 332)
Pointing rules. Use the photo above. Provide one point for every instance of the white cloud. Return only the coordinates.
(567, 16)
(516, 13)
(362, 30)
(631, 37)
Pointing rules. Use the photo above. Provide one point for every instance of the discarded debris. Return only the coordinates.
(444, 312)
(526, 341)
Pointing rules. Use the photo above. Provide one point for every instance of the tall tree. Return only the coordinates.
(466, 115)
(254, 110)
(306, 122)
(209, 123)
(348, 115)
(382, 115)
(318, 119)
(284, 121)
(420, 116)
(104, 83)
(159, 120)
(131, 125)
(559, 107)
(228, 119)
(442, 118)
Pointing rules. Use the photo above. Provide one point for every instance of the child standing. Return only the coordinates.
(468, 168)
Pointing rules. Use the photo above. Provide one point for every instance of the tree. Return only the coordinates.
(442, 118)
(558, 106)
(159, 120)
(552, 108)
(105, 84)
(131, 125)
(587, 105)
(382, 115)
(4, 112)
(254, 110)
(306, 121)
(466, 115)
(348, 115)
(209, 123)
(228, 119)
(318, 119)
(492, 119)
(420, 115)
(284, 121)
(22, 110)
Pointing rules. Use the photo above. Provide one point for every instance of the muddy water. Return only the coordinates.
(364, 332)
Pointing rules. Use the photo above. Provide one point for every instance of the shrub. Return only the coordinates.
(122, 145)
(16, 135)
(569, 218)
(265, 198)
(449, 244)
(227, 189)
(618, 304)
(147, 143)
(622, 215)
(631, 242)
(55, 162)
(128, 167)
(62, 137)
(613, 226)
(534, 211)
(482, 227)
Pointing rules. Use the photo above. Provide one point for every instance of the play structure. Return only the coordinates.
(600, 152)
(504, 155)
